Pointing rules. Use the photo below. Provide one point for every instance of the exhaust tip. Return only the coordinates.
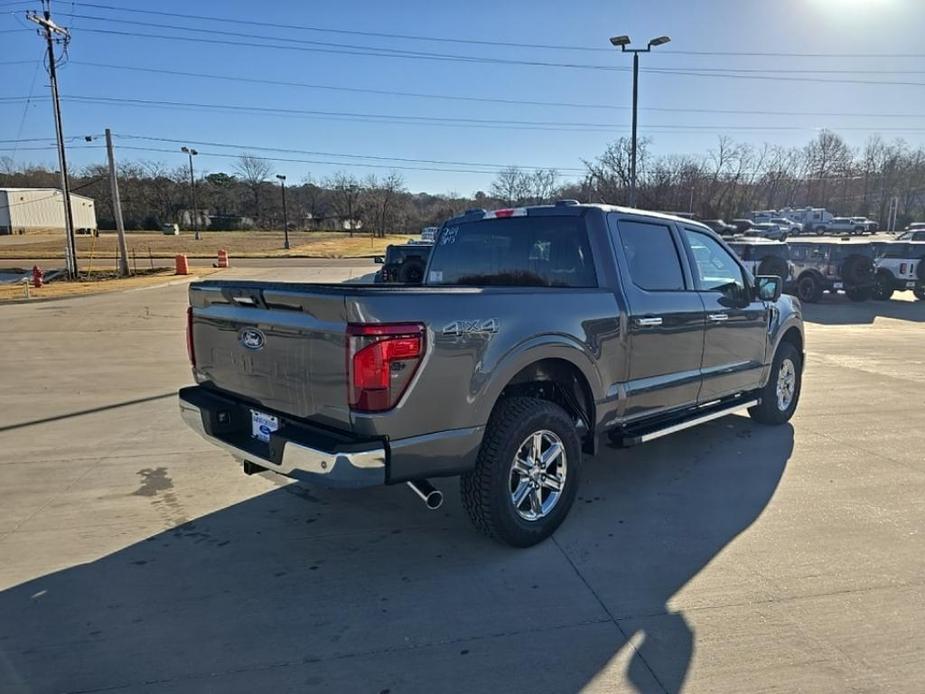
(434, 500)
(432, 497)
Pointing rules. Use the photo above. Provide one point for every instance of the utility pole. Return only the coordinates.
(622, 42)
(282, 182)
(117, 206)
(53, 33)
(192, 185)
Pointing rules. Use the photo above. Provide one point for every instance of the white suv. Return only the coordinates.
(901, 267)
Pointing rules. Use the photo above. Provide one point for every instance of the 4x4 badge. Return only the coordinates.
(472, 327)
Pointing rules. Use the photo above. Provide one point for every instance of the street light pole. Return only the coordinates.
(622, 42)
(192, 185)
(282, 183)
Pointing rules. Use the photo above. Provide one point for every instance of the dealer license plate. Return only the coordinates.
(262, 425)
(838, 285)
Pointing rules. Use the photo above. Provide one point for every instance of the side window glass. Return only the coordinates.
(714, 266)
(651, 254)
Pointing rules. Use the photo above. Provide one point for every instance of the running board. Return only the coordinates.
(696, 417)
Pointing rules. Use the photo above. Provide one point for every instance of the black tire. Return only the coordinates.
(411, 272)
(919, 293)
(486, 490)
(772, 265)
(883, 289)
(920, 270)
(809, 289)
(768, 411)
(857, 270)
(860, 293)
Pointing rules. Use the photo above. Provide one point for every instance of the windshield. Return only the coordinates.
(516, 251)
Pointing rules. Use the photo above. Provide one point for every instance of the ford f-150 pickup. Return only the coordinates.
(536, 333)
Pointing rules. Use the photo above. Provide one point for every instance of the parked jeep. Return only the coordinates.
(900, 267)
(403, 264)
(764, 257)
(820, 266)
(537, 333)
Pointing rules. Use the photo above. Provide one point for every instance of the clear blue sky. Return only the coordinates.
(787, 26)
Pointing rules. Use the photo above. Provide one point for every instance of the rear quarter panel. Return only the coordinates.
(478, 339)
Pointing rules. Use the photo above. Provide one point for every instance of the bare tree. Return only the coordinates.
(382, 201)
(511, 185)
(254, 172)
(543, 185)
(345, 198)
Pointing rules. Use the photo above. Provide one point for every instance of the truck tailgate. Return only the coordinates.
(279, 346)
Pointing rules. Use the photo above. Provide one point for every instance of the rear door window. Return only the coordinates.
(651, 254)
(715, 268)
(515, 252)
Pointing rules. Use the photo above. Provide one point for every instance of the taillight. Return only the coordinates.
(382, 358)
(190, 350)
(902, 268)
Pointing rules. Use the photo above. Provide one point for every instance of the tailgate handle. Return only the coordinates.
(244, 297)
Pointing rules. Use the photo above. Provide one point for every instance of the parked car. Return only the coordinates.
(720, 227)
(764, 257)
(843, 225)
(821, 266)
(538, 332)
(742, 225)
(170, 229)
(403, 264)
(915, 226)
(870, 226)
(768, 230)
(912, 235)
(789, 225)
(429, 234)
(900, 267)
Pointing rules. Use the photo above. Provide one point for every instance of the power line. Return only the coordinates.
(481, 99)
(244, 147)
(567, 126)
(483, 42)
(407, 55)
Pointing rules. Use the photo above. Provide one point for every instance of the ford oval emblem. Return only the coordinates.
(252, 338)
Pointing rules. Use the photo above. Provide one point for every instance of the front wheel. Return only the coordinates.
(526, 476)
(781, 394)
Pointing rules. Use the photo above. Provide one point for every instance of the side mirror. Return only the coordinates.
(768, 287)
(379, 260)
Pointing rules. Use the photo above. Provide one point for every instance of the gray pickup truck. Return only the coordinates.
(536, 333)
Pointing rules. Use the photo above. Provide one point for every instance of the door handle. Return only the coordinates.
(648, 322)
(718, 317)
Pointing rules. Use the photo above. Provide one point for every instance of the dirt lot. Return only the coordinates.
(100, 283)
(321, 244)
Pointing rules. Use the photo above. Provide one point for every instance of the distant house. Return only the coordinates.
(27, 210)
(331, 222)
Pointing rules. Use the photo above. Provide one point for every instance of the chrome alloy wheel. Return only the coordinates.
(538, 475)
(786, 384)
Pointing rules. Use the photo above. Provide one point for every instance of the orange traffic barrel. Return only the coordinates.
(223, 259)
(182, 265)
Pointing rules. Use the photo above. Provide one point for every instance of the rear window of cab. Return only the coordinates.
(538, 251)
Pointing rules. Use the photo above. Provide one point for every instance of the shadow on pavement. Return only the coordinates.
(302, 589)
(840, 310)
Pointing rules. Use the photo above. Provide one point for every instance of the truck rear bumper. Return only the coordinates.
(296, 450)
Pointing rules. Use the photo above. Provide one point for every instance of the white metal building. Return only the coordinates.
(25, 210)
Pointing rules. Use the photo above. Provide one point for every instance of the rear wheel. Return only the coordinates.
(859, 293)
(781, 394)
(526, 475)
(809, 289)
(883, 290)
(919, 293)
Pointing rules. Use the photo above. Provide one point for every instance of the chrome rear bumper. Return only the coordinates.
(360, 466)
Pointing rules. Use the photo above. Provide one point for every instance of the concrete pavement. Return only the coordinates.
(728, 558)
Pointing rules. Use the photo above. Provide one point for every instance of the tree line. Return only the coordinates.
(728, 181)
